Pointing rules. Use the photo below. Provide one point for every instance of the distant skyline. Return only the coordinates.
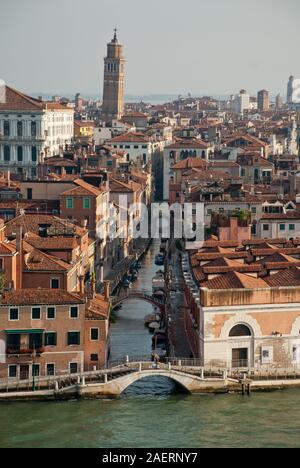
(213, 47)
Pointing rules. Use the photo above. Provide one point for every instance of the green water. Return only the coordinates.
(152, 413)
(263, 420)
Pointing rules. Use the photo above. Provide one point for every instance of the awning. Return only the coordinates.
(24, 332)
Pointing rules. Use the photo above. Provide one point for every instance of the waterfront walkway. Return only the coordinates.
(113, 381)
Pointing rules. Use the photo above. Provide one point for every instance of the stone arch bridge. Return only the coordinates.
(137, 294)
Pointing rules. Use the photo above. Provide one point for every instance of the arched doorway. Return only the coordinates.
(241, 340)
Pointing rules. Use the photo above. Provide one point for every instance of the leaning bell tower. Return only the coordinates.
(114, 75)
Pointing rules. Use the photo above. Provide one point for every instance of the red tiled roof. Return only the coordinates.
(288, 277)
(130, 137)
(40, 297)
(234, 280)
(189, 144)
(17, 101)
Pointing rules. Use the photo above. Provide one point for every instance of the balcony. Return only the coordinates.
(24, 350)
(15, 138)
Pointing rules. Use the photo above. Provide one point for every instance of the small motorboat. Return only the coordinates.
(126, 282)
(159, 260)
(151, 318)
(159, 295)
(154, 326)
(158, 282)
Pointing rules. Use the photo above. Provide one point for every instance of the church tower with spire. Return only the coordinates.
(114, 75)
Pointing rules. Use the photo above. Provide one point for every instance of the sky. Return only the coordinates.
(175, 47)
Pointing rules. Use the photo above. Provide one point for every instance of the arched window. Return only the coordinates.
(20, 129)
(240, 330)
(20, 153)
(6, 153)
(33, 129)
(33, 154)
(203, 154)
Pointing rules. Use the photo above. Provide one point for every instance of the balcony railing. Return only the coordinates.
(22, 138)
(20, 351)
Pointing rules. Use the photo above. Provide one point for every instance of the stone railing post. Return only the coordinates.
(170, 366)
(140, 367)
(105, 378)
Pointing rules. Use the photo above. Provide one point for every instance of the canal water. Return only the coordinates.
(153, 413)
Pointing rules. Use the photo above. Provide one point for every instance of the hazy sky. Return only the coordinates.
(171, 46)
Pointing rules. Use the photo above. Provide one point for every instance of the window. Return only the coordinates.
(33, 129)
(33, 154)
(86, 203)
(50, 339)
(20, 129)
(36, 370)
(73, 338)
(136, 146)
(51, 313)
(73, 368)
(29, 194)
(12, 371)
(54, 283)
(50, 369)
(292, 227)
(74, 312)
(209, 212)
(6, 128)
(265, 227)
(36, 313)
(282, 227)
(94, 334)
(20, 153)
(243, 173)
(94, 358)
(13, 314)
(70, 203)
(6, 153)
(240, 330)
(253, 209)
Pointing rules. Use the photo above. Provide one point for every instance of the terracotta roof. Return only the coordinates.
(51, 243)
(17, 101)
(130, 137)
(234, 280)
(119, 186)
(288, 277)
(31, 223)
(190, 163)
(6, 249)
(97, 308)
(40, 261)
(40, 297)
(189, 144)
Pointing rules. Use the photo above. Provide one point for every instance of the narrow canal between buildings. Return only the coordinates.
(152, 413)
(129, 336)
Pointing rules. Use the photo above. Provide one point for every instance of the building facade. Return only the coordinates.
(30, 131)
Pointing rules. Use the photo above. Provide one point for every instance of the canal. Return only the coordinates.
(153, 413)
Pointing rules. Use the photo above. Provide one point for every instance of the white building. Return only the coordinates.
(179, 151)
(30, 131)
(241, 102)
(139, 147)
